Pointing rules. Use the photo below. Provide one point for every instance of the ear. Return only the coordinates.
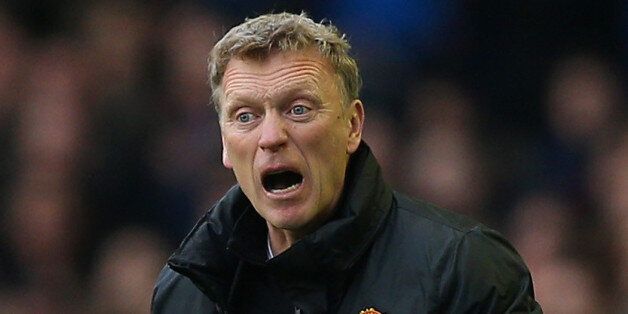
(225, 156)
(356, 122)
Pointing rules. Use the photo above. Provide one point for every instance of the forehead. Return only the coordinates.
(278, 59)
(280, 70)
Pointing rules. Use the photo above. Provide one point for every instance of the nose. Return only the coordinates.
(273, 133)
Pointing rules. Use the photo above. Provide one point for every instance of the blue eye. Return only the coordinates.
(245, 117)
(299, 110)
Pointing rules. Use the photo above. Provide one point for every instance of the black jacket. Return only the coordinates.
(381, 250)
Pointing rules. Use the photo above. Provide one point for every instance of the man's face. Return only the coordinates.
(287, 136)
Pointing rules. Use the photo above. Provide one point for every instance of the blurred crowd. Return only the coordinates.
(110, 149)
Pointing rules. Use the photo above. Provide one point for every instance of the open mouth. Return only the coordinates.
(282, 181)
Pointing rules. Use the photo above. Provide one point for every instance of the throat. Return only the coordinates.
(280, 240)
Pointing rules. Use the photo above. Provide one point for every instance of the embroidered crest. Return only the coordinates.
(370, 310)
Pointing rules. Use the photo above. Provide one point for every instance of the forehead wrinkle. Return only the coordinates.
(240, 84)
(251, 92)
(252, 78)
(284, 66)
(269, 71)
(282, 74)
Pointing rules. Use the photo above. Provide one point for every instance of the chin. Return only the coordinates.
(287, 223)
(287, 220)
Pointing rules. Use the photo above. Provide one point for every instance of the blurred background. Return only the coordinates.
(513, 112)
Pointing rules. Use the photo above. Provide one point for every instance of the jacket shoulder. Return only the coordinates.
(473, 268)
(430, 214)
(175, 293)
(485, 274)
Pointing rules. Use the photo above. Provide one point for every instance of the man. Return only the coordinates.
(311, 227)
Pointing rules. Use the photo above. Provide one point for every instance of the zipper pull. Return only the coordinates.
(220, 310)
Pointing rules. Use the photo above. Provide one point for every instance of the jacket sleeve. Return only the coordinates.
(485, 274)
(175, 293)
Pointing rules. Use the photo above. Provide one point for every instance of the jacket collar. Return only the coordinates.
(202, 255)
(233, 231)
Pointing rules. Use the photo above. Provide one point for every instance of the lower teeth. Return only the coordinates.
(285, 190)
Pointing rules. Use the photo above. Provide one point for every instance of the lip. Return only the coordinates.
(281, 196)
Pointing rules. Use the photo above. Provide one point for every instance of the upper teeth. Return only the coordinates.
(286, 190)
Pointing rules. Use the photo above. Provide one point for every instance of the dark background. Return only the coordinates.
(512, 112)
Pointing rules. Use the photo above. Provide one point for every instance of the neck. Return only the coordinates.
(281, 239)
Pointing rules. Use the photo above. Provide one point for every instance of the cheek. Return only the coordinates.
(241, 159)
(333, 142)
(239, 145)
(328, 133)
(326, 151)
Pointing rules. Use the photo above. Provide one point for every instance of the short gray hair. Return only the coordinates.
(260, 36)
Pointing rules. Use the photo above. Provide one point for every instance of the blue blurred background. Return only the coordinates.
(513, 112)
